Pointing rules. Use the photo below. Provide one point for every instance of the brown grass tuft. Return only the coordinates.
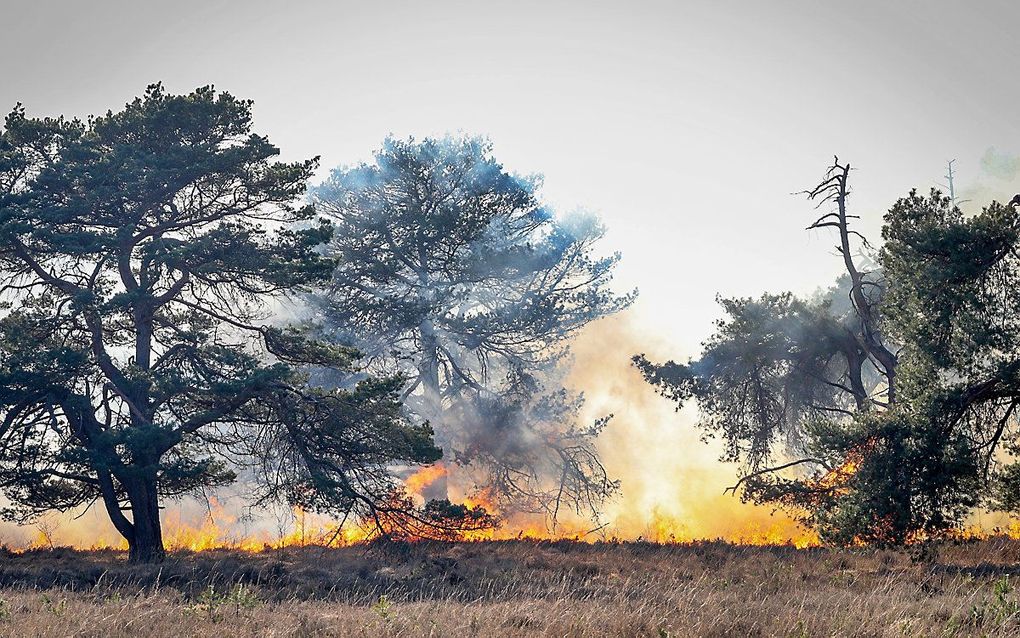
(516, 588)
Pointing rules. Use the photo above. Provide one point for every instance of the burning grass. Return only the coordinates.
(216, 525)
(516, 588)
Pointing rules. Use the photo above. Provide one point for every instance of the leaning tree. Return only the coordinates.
(451, 272)
(140, 253)
(881, 409)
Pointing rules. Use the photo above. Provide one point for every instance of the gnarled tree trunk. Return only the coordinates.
(145, 542)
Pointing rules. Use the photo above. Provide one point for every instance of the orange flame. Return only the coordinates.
(672, 484)
(838, 477)
(423, 478)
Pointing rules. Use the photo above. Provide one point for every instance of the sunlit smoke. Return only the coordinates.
(672, 482)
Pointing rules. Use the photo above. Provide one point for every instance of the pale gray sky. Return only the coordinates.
(686, 125)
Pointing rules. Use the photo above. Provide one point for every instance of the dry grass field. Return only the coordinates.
(517, 588)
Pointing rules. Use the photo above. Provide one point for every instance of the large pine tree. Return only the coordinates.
(139, 254)
(452, 272)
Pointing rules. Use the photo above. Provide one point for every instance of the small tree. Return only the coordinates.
(876, 409)
(139, 253)
(452, 273)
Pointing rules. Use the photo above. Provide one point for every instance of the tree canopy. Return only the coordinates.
(452, 272)
(140, 255)
(880, 410)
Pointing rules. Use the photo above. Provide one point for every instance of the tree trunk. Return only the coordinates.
(145, 545)
(428, 369)
(869, 322)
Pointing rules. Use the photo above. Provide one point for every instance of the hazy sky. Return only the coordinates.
(686, 125)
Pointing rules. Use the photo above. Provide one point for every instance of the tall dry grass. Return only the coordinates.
(517, 588)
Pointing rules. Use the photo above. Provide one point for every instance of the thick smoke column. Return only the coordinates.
(671, 482)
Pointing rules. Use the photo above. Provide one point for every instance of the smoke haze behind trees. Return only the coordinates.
(452, 273)
(650, 113)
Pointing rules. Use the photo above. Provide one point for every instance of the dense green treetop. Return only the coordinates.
(140, 255)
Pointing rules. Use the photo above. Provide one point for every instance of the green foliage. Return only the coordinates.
(956, 283)
(1001, 607)
(140, 255)
(322, 432)
(771, 365)
(1006, 488)
(212, 604)
(57, 608)
(383, 607)
(452, 273)
(881, 421)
